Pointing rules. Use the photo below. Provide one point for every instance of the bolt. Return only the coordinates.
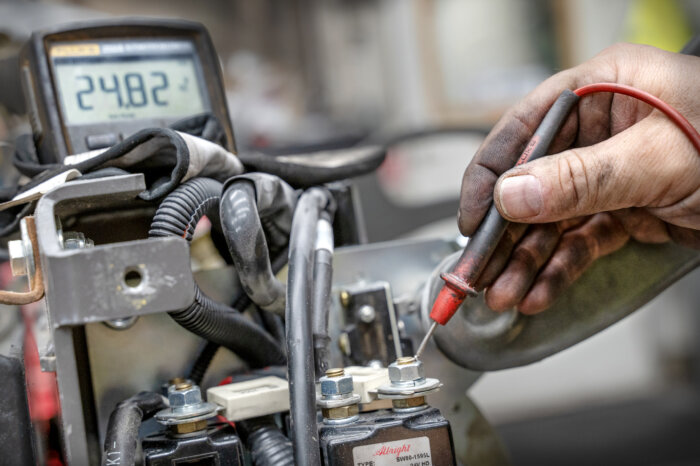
(406, 371)
(367, 314)
(335, 372)
(182, 385)
(76, 240)
(18, 258)
(344, 344)
(336, 384)
(375, 364)
(405, 360)
(345, 298)
(184, 395)
(21, 253)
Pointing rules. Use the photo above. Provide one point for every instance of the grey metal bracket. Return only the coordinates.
(109, 281)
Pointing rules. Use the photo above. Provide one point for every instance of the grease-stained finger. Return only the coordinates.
(527, 258)
(577, 250)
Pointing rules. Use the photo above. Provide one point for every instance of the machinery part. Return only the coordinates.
(251, 398)
(338, 403)
(408, 386)
(24, 260)
(187, 413)
(217, 445)
(321, 299)
(101, 272)
(404, 265)
(366, 381)
(178, 215)
(371, 323)
(384, 438)
(614, 287)
(299, 332)
(267, 444)
(16, 444)
(123, 429)
(246, 201)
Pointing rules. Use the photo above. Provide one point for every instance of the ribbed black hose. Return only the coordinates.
(267, 444)
(273, 324)
(300, 368)
(178, 215)
(123, 427)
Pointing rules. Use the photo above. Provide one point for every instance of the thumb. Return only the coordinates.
(623, 171)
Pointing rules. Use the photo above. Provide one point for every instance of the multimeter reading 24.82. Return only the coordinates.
(113, 81)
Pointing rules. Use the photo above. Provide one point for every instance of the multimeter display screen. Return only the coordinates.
(114, 81)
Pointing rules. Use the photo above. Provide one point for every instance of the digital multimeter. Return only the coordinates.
(89, 86)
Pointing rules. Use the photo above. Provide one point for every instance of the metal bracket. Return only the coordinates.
(372, 329)
(108, 281)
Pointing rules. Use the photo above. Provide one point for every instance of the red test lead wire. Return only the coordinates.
(459, 283)
(674, 115)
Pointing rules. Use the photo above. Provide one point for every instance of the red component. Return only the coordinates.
(673, 114)
(451, 296)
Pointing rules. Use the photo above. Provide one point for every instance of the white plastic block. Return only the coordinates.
(366, 380)
(252, 398)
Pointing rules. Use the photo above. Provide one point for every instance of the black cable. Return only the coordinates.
(123, 426)
(266, 443)
(247, 245)
(273, 324)
(203, 361)
(178, 215)
(302, 390)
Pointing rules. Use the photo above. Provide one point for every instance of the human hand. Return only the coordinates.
(619, 171)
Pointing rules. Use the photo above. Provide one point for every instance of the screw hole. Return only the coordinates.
(132, 278)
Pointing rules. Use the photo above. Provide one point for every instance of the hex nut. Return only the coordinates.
(406, 373)
(18, 257)
(342, 412)
(187, 397)
(335, 386)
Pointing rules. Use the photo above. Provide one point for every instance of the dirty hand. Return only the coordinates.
(619, 171)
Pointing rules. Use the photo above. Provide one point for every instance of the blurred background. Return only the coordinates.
(435, 75)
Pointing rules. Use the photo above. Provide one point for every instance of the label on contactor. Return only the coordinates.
(410, 452)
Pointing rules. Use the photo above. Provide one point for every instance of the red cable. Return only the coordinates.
(675, 116)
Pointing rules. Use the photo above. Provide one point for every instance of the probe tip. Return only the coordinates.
(426, 338)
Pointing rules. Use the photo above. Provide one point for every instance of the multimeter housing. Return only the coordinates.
(87, 87)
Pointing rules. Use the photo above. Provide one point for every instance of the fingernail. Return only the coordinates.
(521, 196)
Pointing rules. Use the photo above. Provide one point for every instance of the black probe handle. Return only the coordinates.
(483, 243)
